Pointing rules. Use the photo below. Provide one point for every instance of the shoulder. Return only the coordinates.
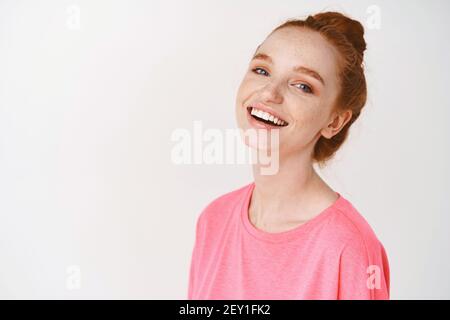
(224, 204)
(364, 264)
(352, 230)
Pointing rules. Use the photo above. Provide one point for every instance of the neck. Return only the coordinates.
(292, 194)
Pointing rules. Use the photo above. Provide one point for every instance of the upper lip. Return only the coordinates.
(262, 107)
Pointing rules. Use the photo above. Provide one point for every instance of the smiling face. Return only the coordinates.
(292, 84)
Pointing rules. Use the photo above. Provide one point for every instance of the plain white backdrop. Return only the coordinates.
(91, 205)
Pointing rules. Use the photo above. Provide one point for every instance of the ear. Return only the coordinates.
(337, 122)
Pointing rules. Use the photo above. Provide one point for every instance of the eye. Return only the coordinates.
(304, 87)
(256, 70)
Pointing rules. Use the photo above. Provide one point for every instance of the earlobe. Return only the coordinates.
(327, 132)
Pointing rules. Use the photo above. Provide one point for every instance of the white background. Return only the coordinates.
(87, 112)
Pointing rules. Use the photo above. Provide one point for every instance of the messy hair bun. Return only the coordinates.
(351, 29)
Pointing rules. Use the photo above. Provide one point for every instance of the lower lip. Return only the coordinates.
(259, 124)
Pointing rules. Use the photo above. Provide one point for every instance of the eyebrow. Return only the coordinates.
(302, 69)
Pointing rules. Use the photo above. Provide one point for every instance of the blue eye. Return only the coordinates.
(304, 87)
(255, 70)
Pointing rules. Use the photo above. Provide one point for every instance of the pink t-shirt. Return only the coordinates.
(335, 255)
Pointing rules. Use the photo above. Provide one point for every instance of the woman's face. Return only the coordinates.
(293, 77)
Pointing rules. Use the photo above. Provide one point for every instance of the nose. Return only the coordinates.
(271, 93)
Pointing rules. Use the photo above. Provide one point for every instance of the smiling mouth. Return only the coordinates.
(266, 117)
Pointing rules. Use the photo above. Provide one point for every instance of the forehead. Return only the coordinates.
(293, 46)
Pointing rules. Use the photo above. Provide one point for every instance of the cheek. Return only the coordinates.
(245, 87)
(308, 122)
(250, 84)
(307, 117)
(242, 96)
(245, 92)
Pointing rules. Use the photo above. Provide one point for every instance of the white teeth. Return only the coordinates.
(267, 116)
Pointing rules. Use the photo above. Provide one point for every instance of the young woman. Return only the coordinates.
(289, 235)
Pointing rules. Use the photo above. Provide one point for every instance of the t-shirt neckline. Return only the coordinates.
(288, 235)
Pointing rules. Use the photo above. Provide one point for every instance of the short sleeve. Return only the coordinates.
(363, 271)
